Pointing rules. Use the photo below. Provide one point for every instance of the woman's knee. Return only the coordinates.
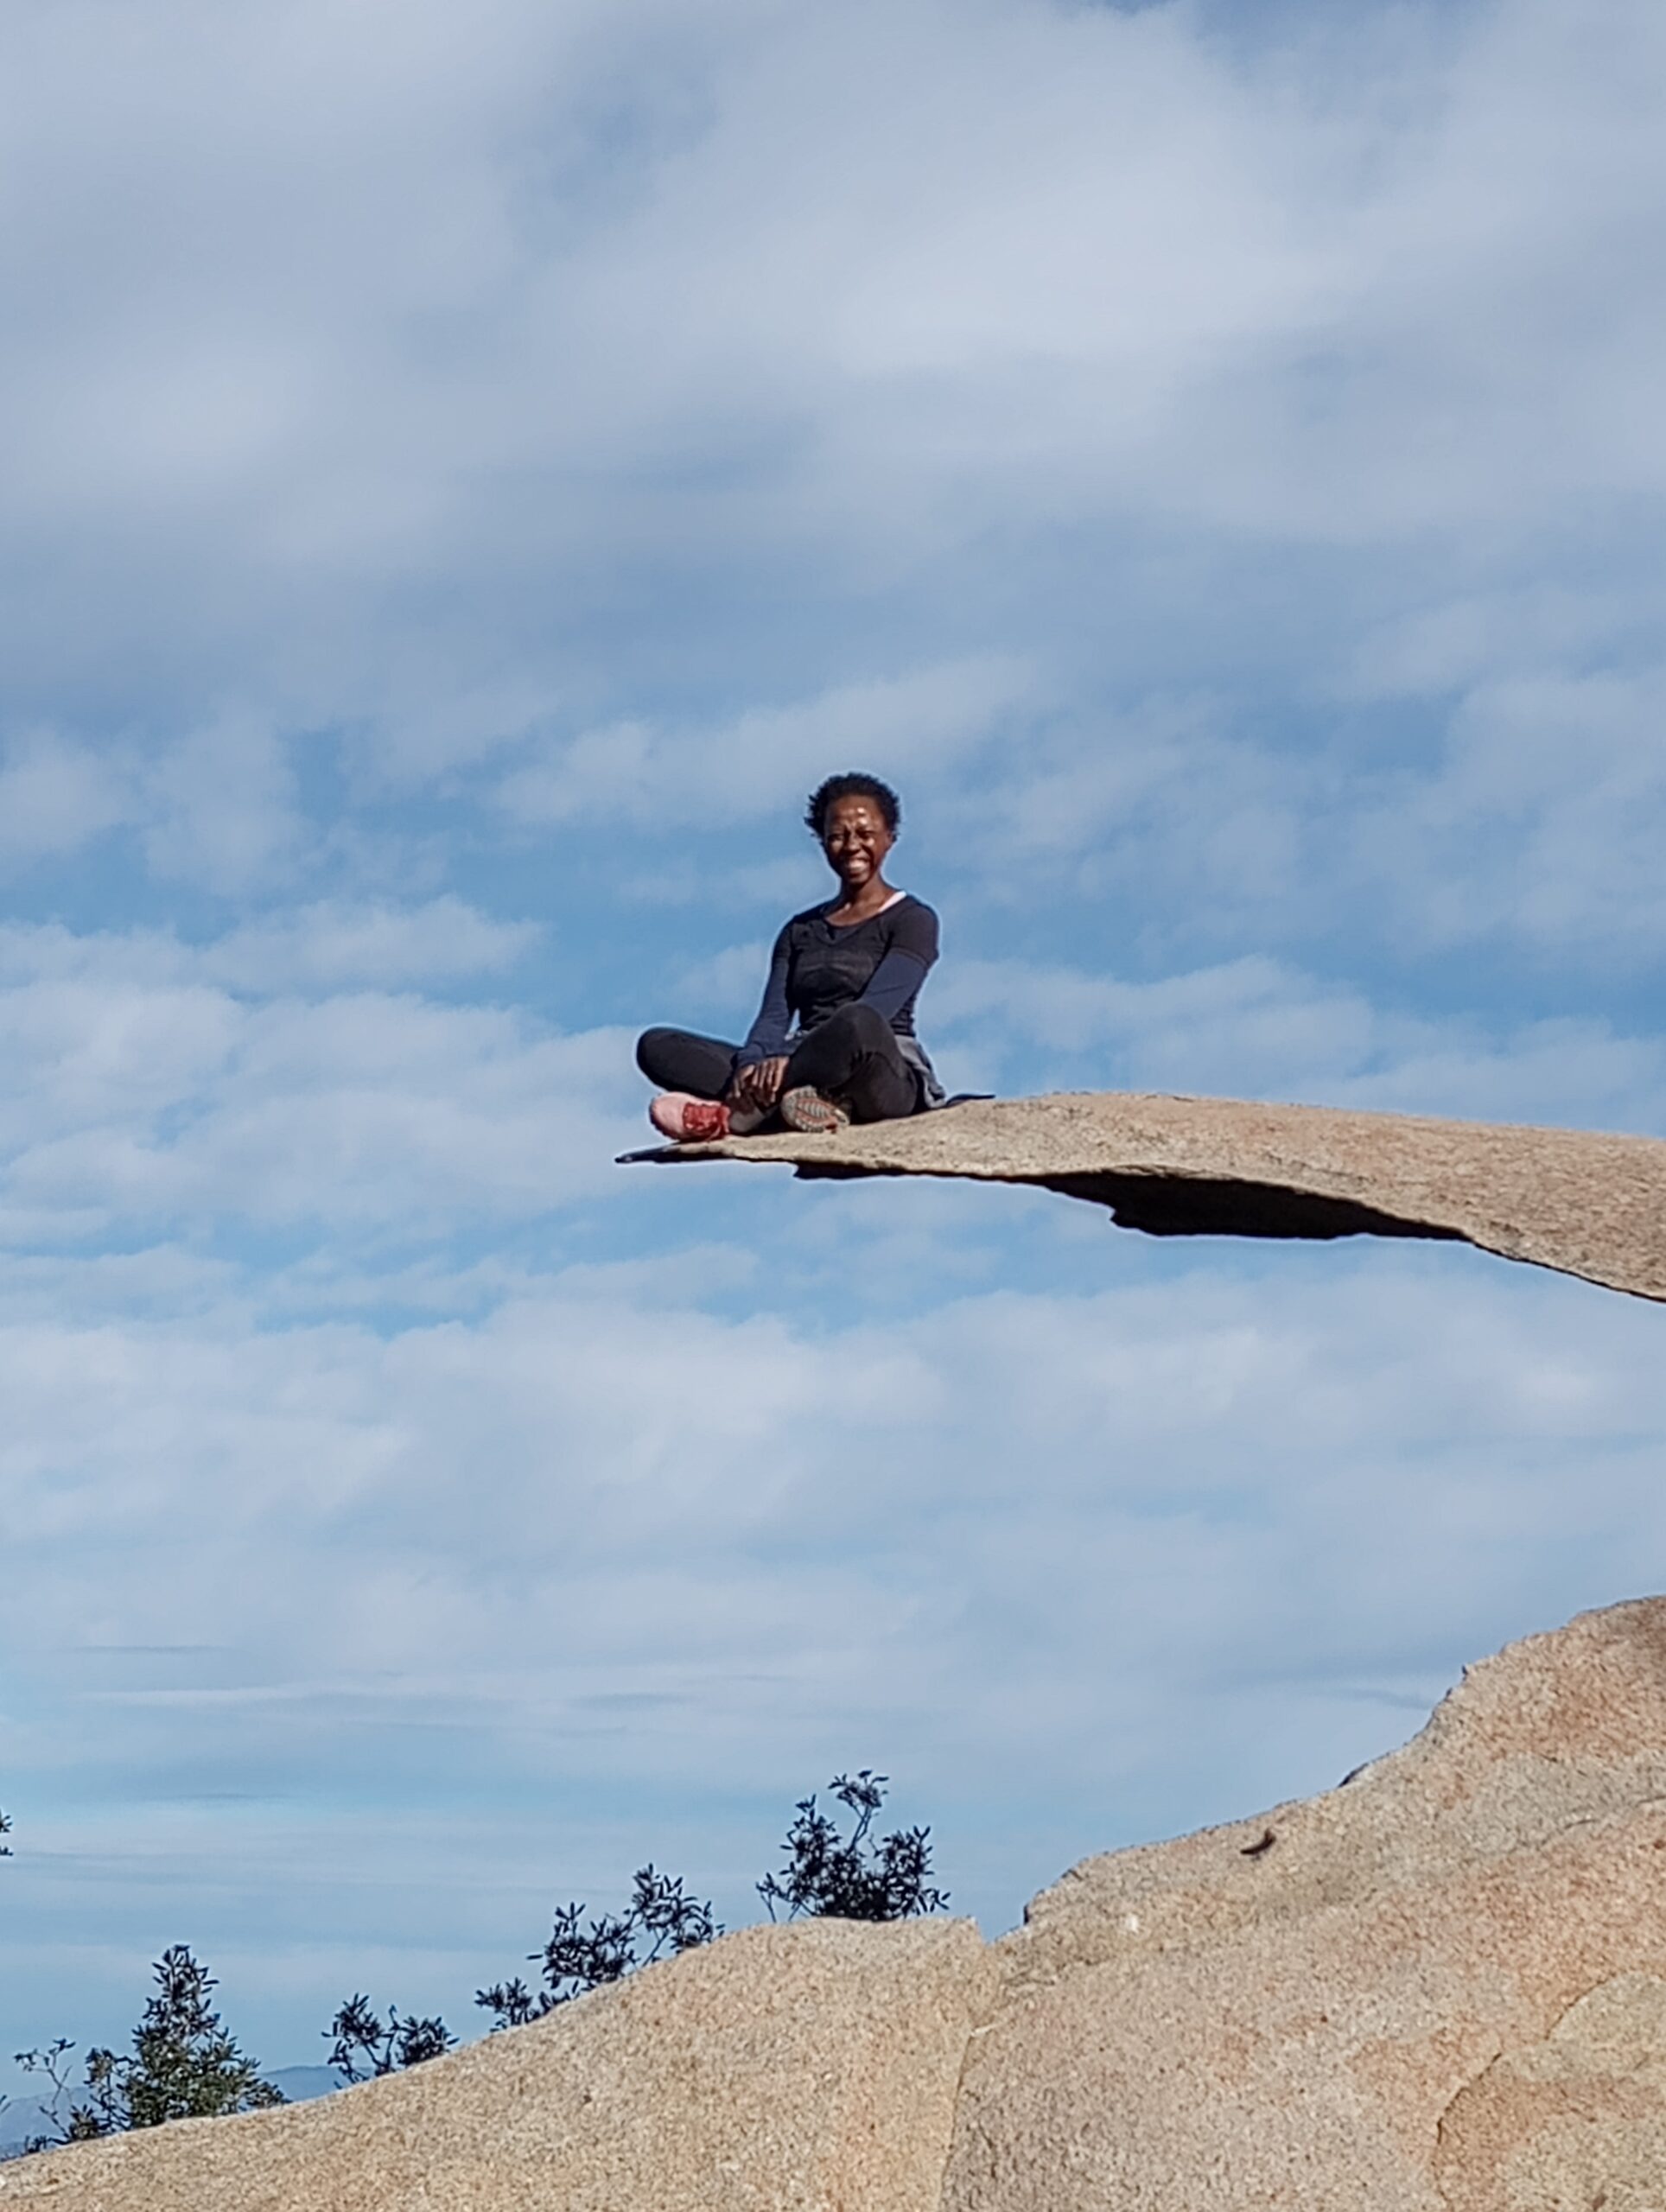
(675, 1060)
(867, 1030)
(651, 1050)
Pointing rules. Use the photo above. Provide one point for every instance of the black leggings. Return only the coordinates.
(852, 1057)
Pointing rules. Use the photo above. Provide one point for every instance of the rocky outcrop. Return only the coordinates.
(1588, 1205)
(1439, 1988)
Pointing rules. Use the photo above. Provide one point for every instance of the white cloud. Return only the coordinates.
(928, 722)
(217, 807)
(726, 987)
(1518, 800)
(441, 376)
(138, 1089)
(336, 941)
(56, 796)
(222, 809)
(1256, 1027)
(1545, 820)
(292, 949)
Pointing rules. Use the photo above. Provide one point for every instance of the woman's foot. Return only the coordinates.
(688, 1120)
(685, 1119)
(810, 1114)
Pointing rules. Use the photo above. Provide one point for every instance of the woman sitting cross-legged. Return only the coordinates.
(833, 1041)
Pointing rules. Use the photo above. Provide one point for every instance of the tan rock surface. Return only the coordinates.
(1578, 2120)
(1435, 1989)
(809, 2069)
(1588, 1205)
(1440, 1987)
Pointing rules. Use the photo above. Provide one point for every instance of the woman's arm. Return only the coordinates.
(767, 1038)
(906, 964)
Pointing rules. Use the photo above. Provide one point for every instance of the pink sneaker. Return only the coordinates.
(810, 1114)
(688, 1120)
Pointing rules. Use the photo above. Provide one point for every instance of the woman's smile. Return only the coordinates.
(855, 840)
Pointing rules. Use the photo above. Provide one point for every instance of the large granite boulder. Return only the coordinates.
(1440, 1987)
(1588, 1205)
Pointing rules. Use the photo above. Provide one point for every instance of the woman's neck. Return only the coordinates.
(860, 906)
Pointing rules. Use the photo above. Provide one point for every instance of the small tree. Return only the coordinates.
(183, 2066)
(661, 1918)
(854, 1877)
(366, 2045)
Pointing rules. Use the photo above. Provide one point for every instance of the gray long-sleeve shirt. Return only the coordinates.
(816, 968)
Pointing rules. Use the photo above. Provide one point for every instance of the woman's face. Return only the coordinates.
(855, 840)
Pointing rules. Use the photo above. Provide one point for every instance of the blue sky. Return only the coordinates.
(467, 475)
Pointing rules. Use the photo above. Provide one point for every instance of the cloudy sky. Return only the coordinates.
(467, 473)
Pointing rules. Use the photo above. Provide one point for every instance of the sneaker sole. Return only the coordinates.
(811, 1116)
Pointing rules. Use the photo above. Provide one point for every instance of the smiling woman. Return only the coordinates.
(834, 1039)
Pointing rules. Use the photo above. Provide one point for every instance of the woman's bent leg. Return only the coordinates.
(675, 1060)
(853, 1057)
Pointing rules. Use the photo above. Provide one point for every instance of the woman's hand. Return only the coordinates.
(759, 1086)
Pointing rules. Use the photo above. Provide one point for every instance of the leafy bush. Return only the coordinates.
(183, 2064)
(661, 1918)
(852, 1876)
(366, 2045)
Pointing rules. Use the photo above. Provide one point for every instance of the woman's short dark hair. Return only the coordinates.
(837, 787)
